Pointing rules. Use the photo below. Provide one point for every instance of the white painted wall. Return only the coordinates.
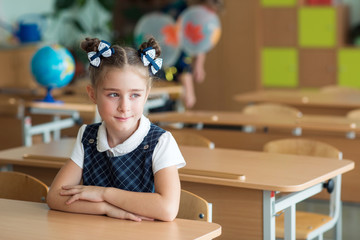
(11, 11)
(91, 16)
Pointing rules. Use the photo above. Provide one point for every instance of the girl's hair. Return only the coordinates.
(120, 58)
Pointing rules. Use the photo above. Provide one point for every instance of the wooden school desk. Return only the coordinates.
(242, 206)
(307, 101)
(321, 123)
(29, 220)
(329, 129)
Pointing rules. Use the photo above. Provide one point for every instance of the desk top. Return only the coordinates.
(306, 122)
(297, 97)
(257, 170)
(20, 220)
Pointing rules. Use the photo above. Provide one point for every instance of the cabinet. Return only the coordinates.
(274, 3)
(316, 36)
(349, 70)
(317, 27)
(279, 27)
(279, 67)
(318, 67)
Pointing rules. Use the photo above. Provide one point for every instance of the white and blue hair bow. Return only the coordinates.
(148, 57)
(104, 50)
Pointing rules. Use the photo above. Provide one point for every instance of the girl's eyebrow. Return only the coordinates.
(131, 90)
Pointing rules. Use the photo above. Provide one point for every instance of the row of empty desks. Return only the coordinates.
(321, 123)
(307, 101)
(240, 184)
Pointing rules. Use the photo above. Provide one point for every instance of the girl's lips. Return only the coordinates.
(122, 118)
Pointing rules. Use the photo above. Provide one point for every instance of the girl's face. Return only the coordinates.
(120, 98)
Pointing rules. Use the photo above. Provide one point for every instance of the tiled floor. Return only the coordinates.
(350, 217)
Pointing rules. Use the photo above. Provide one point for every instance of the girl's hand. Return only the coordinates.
(81, 192)
(115, 212)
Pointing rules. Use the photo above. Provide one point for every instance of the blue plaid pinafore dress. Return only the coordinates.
(131, 172)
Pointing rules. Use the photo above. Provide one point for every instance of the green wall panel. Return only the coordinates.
(317, 27)
(278, 3)
(279, 67)
(349, 67)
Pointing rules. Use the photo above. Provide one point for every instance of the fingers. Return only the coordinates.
(146, 218)
(115, 212)
(67, 187)
(73, 199)
(73, 191)
(67, 191)
(130, 216)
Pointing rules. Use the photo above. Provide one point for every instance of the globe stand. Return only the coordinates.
(49, 98)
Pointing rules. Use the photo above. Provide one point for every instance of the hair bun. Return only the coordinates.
(152, 43)
(90, 44)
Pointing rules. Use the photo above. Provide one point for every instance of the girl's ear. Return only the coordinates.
(91, 92)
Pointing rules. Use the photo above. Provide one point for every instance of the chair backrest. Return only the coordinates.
(305, 147)
(271, 109)
(193, 207)
(191, 139)
(20, 186)
(354, 114)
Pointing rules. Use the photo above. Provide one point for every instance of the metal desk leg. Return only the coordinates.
(290, 223)
(268, 215)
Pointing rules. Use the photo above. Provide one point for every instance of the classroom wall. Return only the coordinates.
(231, 66)
(12, 10)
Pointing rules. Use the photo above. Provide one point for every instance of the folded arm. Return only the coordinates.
(68, 195)
(70, 174)
(162, 205)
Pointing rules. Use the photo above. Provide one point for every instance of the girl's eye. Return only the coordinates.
(113, 95)
(135, 95)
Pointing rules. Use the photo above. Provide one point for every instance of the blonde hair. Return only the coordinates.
(121, 57)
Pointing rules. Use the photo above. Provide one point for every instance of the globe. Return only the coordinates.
(200, 30)
(52, 66)
(164, 29)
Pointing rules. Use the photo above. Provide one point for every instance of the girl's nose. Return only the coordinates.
(123, 105)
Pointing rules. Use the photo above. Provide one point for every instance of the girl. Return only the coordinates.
(124, 167)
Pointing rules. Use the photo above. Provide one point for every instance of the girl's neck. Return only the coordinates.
(115, 139)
